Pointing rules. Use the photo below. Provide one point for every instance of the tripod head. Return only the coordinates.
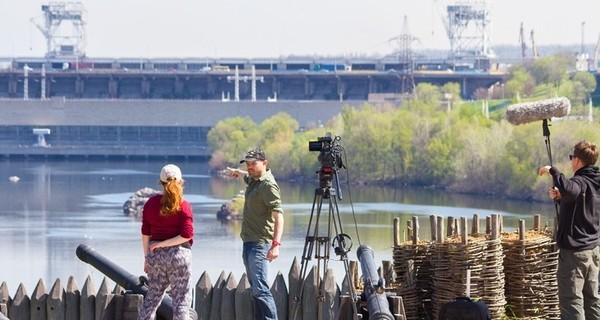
(330, 157)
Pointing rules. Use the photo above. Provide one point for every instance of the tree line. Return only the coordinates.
(433, 139)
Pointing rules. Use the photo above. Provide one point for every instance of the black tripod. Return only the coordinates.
(320, 243)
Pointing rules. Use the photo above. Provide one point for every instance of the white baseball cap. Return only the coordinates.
(170, 171)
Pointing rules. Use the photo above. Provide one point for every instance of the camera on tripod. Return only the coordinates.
(330, 155)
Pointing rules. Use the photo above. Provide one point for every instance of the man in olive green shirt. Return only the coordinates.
(262, 226)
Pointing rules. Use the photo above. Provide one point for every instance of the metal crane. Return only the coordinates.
(59, 42)
(523, 42)
(596, 55)
(533, 46)
(468, 26)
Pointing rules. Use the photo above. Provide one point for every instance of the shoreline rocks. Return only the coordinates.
(135, 204)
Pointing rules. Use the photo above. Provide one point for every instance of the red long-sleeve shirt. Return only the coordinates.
(166, 227)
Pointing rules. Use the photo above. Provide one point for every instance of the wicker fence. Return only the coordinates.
(513, 273)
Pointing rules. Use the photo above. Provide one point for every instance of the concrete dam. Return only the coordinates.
(134, 128)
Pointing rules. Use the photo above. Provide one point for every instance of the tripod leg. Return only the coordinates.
(337, 222)
(312, 233)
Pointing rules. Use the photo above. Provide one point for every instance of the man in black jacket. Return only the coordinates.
(578, 236)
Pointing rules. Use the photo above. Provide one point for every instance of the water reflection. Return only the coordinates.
(58, 205)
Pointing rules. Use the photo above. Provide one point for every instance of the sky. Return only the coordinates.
(277, 28)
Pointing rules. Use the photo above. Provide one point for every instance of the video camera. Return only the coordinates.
(330, 151)
(330, 157)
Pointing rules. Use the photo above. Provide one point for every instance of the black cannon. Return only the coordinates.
(377, 302)
(125, 279)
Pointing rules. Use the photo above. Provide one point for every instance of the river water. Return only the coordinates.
(57, 205)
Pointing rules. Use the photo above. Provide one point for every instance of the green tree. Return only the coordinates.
(451, 92)
(230, 139)
(438, 159)
(521, 82)
(277, 140)
(479, 158)
(552, 69)
(584, 85)
(426, 101)
(402, 149)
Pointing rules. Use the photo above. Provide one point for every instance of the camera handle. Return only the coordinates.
(337, 184)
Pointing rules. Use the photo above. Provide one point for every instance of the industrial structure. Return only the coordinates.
(211, 79)
(469, 29)
(63, 39)
(68, 103)
(405, 43)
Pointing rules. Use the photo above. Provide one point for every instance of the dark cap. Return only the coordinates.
(254, 155)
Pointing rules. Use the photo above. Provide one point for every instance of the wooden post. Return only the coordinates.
(280, 294)
(227, 298)
(294, 281)
(537, 222)
(415, 232)
(310, 301)
(244, 309)
(38, 302)
(215, 306)
(20, 307)
(388, 272)
(330, 304)
(132, 305)
(433, 227)
(397, 307)
(495, 232)
(396, 232)
(355, 280)
(118, 301)
(463, 230)
(204, 294)
(451, 227)
(456, 229)
(56, 304)
(475, 224)
(105, 306)
(87, 304)
(440, 229)
(5, 299)
(346, 309)
(522, 229)
(410, 272)
(72, 299)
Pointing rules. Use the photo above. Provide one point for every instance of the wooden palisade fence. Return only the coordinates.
(226, 299)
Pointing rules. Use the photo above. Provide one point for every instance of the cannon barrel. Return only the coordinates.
(125, 279)
(378, 305)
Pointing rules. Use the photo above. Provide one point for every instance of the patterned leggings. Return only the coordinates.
(168, 266)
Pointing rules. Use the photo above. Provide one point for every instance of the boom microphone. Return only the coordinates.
(526, 112)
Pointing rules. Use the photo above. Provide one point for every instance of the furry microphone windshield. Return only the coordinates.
(526, 112)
